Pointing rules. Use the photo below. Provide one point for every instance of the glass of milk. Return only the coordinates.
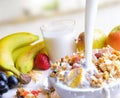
(59, 38)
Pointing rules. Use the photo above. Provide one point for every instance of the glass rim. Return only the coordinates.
(65, 22)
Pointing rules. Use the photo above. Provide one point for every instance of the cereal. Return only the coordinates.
(72, 72)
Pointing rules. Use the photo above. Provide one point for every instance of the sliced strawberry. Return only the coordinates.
(42, 61)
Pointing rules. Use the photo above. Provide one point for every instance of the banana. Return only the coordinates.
(25, 61)
(18, 51)
(9, 73)
(44, 50)
(8, 44)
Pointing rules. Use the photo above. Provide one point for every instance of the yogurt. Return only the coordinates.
(59, 38)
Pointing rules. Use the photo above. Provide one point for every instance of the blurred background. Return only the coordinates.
(29, 15)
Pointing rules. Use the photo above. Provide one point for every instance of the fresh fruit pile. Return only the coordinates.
(101, 40)
(7, 83)
(8, 45)
(17, 58)
(17, 52)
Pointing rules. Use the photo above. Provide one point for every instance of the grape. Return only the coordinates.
(3, 77)
(4, 90)
(2, 84)
(12, 81)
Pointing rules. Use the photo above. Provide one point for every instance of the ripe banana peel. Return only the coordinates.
(8, 44)
(25, 61)
(18, 51)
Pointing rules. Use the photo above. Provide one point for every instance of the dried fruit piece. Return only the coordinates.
(75, 77)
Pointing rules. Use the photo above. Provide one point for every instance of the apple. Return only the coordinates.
(113, 38)
(80, 42)
(99, 40)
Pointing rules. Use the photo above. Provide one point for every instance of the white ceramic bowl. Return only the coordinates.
(111, 91)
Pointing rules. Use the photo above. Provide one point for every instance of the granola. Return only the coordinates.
(72, 71)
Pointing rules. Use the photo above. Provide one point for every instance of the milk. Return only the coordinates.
(91, 10)
(90, 15)
(59, 39)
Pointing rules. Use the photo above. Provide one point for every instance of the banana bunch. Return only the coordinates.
(17, 54)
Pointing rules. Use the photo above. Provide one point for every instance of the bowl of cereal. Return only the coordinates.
(72, 79)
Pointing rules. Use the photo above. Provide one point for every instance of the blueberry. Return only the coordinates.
(2, 84)
(3, 77)
(0, 96)
(4, 90)
(12, 81)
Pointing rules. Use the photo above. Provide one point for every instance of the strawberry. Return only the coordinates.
(42, 61)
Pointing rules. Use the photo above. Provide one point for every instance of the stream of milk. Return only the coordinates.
(91, 11)
(90, 15)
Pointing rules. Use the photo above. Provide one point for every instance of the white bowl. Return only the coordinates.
(109, 91)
